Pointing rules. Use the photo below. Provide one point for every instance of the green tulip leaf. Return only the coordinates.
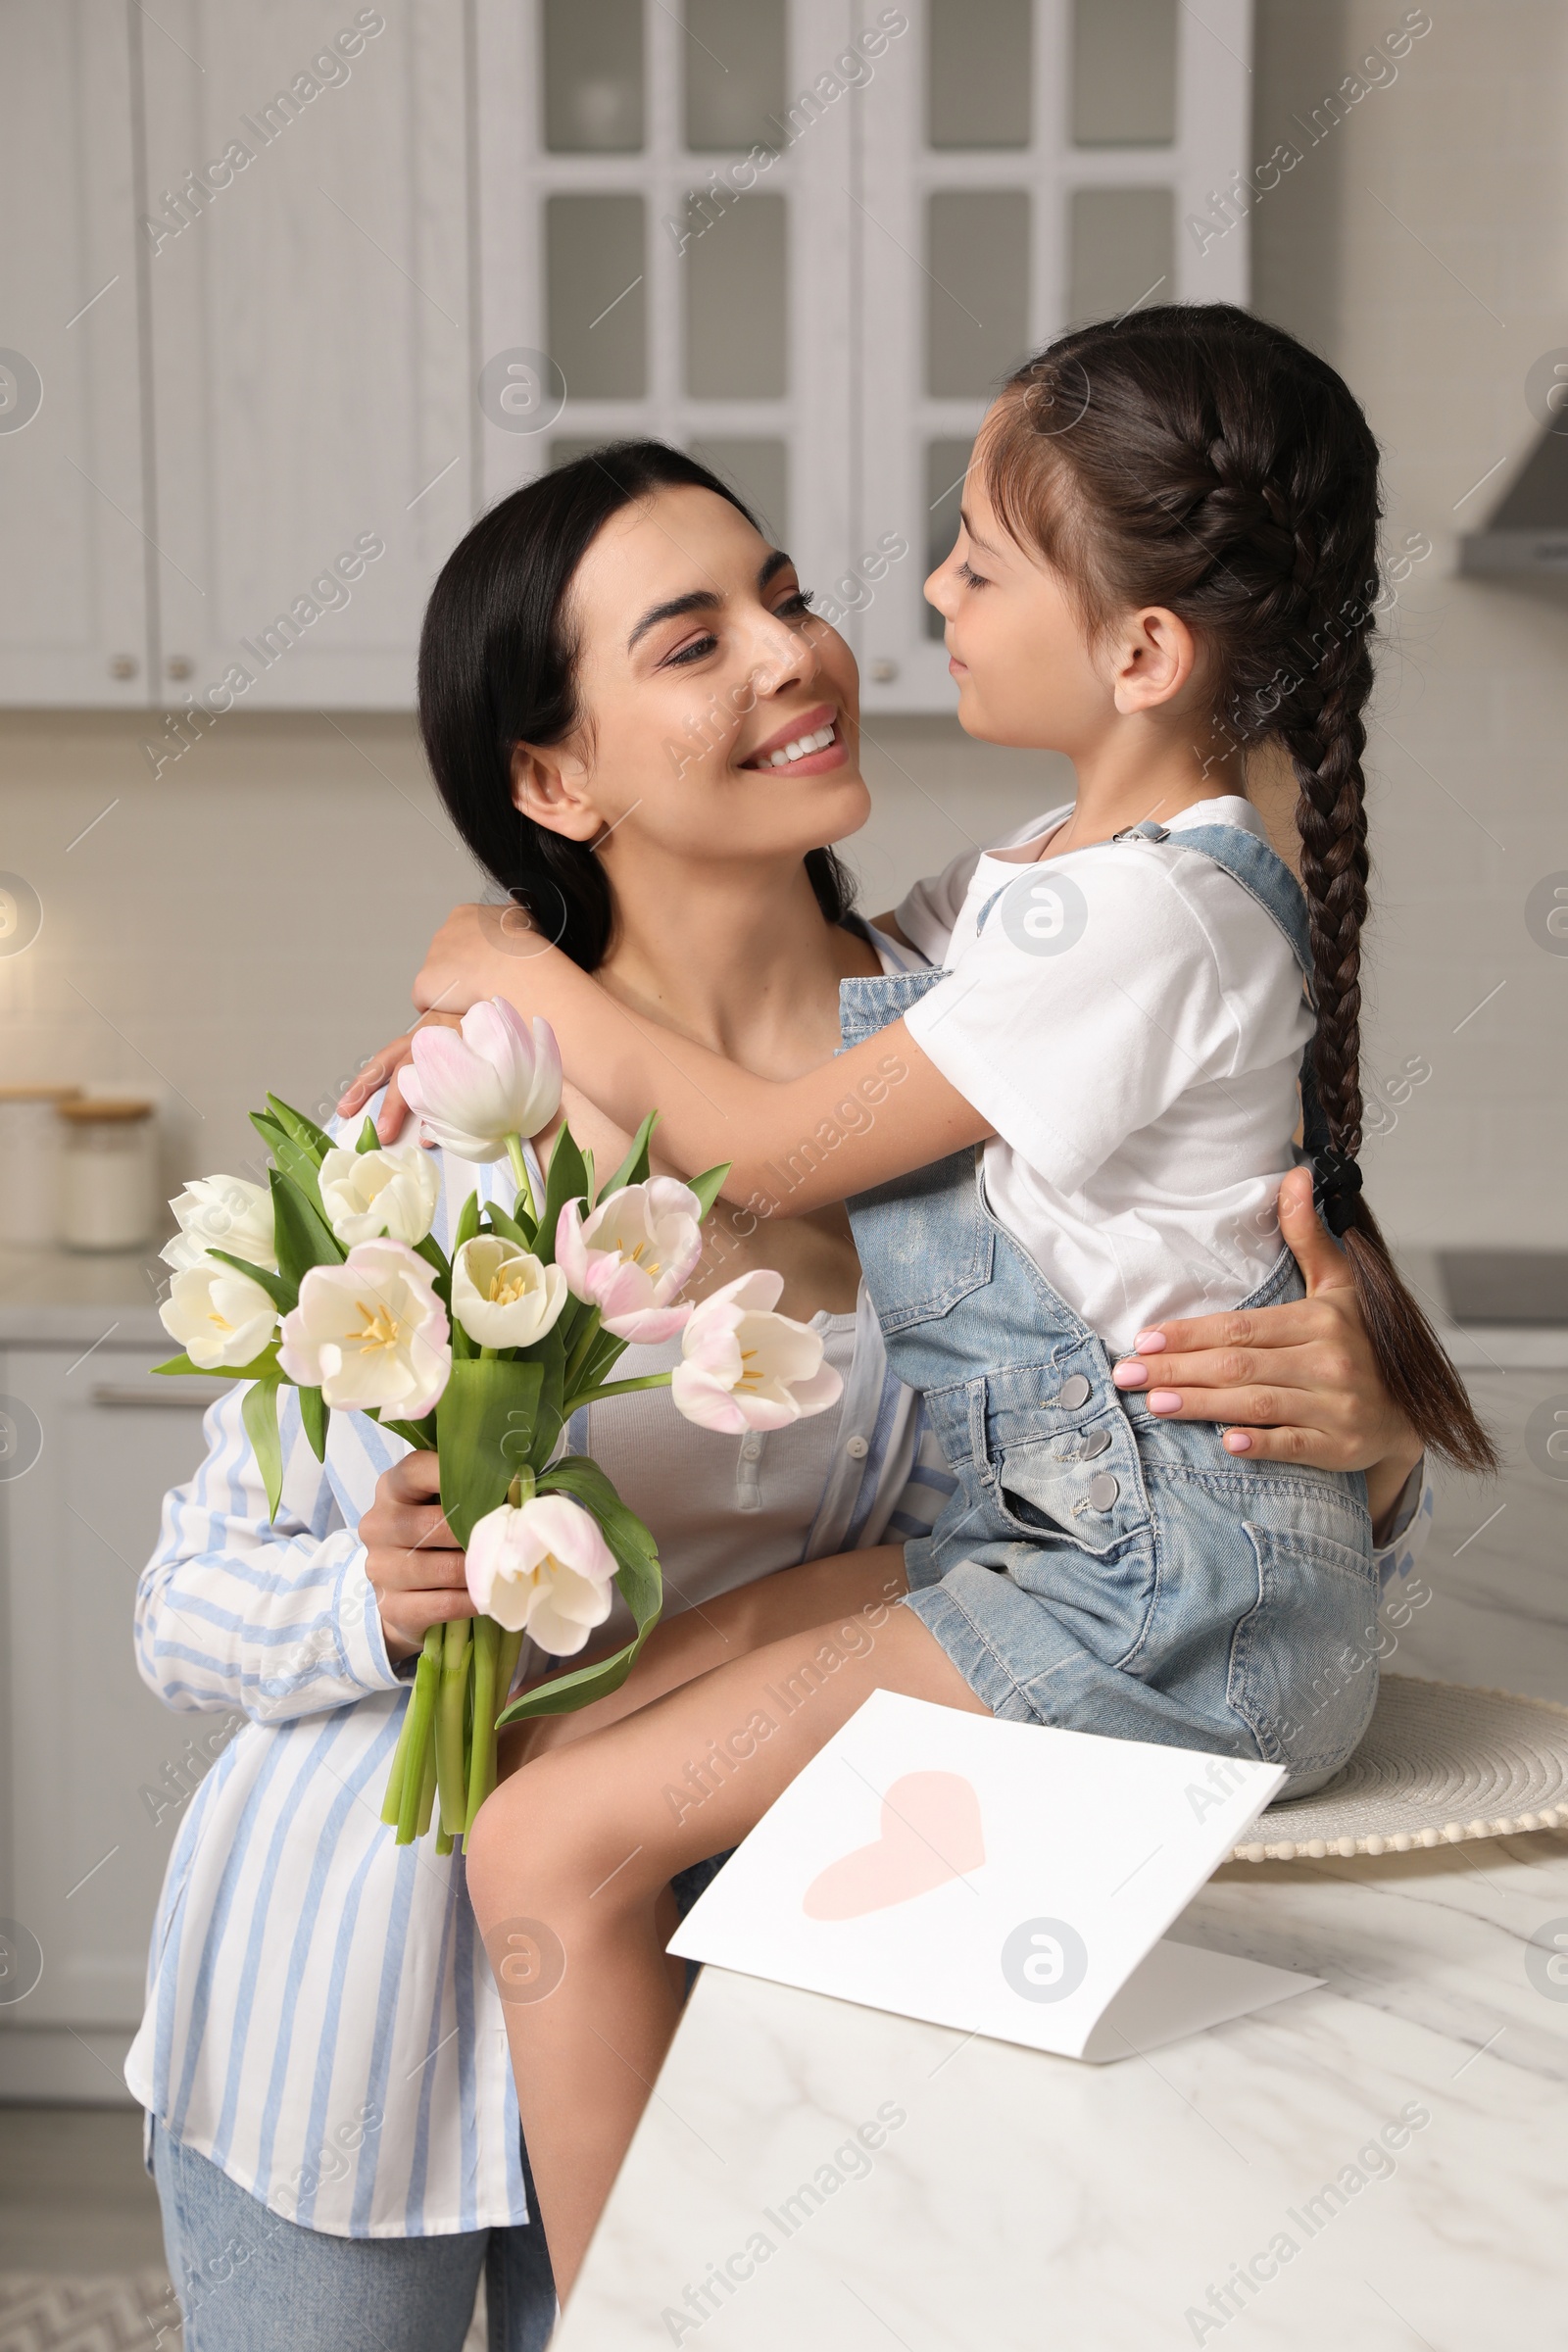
(258, 1412)
(568, 1180)
(486, 1432)
(315, 1414)
(633, 1170)
(302, 1237)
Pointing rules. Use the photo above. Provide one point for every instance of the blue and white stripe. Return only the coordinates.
(322, 2021)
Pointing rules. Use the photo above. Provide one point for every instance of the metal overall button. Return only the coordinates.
(1075, 1392)
(1103, 1489)
(1095, 1443)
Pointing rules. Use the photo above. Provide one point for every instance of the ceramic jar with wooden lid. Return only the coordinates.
(29, 1153)
(108, 1197)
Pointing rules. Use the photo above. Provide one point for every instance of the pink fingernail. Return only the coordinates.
(1164, 1400)
(1130, 1376)
(1150, 1342)
(1237, 1441)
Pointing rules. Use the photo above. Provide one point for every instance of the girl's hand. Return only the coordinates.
(416, 1570)
(382, 1070)
(1297, 1383)
(479, 950)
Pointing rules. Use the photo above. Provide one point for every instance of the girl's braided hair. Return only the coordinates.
(1196, 458)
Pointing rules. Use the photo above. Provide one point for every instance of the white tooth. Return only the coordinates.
(795, 749)
(778, 759)
(824, 736)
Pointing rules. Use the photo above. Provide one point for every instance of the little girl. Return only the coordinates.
(1073, 1128)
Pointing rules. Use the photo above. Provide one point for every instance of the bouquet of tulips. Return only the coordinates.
(329, 1280)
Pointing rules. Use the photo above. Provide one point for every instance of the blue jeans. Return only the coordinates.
(250, 2281)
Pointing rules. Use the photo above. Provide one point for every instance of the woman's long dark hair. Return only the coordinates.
(497, 667)
(1196, 458)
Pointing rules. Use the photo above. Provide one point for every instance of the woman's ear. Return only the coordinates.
(1153, 655)
(551, 786)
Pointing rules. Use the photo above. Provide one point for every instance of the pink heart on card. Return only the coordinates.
(931, 1832)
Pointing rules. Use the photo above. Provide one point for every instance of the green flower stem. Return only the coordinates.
(581, 1352)
(509, 1649)
(392, 1801)
(426, 1793)
(419, 1759)
(613, 1388)
(519, 1169)
(482, 1761)
(521, 1490)
(450, 1778)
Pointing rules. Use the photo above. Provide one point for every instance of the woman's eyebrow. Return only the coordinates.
(702, 600)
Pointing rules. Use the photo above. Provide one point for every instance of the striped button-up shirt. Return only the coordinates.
(322, 2021)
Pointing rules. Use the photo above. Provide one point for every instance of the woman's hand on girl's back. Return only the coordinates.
(1297, 1383)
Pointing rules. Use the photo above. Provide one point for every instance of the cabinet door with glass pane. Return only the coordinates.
(1026, 164)
(666, 224)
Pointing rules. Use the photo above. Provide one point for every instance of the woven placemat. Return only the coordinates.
(1440, 1764)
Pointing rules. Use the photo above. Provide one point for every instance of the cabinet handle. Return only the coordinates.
(121, 665)
(175, 1395)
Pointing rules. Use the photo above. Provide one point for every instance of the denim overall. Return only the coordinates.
(1096, 1567)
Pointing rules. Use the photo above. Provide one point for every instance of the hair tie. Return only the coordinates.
(1336, 1183)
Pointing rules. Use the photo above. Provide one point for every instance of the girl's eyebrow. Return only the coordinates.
(702, 599)
(971, 533)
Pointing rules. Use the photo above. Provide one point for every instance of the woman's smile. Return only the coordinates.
(810, 744)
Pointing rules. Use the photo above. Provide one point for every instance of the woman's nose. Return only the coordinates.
(782, 655)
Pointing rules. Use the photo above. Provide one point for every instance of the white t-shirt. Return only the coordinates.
(1131, 1023)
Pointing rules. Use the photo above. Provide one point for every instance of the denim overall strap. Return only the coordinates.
(867, 1005)
(1266, 878)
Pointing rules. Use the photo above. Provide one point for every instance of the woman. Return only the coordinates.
(323, 2051)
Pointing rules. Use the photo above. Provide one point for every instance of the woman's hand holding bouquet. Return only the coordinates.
(329, 1280)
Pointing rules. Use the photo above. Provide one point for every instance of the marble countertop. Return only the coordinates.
(1379, 2164)
(1238, 2186)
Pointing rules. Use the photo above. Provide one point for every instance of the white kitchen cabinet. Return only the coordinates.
(1026, 166)
(73, 611)
(309, 343)
(84, 1854)
(649, 227)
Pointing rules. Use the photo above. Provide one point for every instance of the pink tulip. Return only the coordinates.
(632, 1254)
(471, 1088)
(541, 1567)
(744, 1367)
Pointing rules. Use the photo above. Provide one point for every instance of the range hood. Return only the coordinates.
(1527, 536)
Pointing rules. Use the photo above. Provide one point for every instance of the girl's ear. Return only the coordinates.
(551, 786)
(1153, 654)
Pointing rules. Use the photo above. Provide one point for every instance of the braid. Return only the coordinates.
(1331, 819)
(1198, 459)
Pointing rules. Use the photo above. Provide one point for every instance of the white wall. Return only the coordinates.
(253, 917)
(1435, 315)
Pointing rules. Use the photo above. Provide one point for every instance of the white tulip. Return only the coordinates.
(744, 1367)
(470, 1089)
(371, 1333)
(502, 1295)
(221, 1318)
(541, 1567)
(393, 1190)
(222, 1212)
